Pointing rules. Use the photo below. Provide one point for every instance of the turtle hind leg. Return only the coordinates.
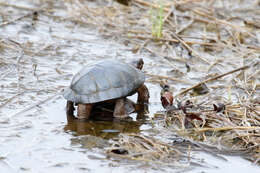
(119, 110)
(70, 108)
(84, 111)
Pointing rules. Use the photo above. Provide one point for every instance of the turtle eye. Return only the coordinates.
(138, 63)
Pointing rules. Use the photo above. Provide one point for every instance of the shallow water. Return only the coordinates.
(46, 142)
(40, 139)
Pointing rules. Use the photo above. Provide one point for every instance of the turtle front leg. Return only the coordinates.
(143, 95)
(119, 110)
(70, 108)
(142, 102)
(84, 111)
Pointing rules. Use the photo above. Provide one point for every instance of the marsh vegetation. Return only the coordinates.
(188, 44)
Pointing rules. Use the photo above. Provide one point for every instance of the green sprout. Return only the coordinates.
(157, 21)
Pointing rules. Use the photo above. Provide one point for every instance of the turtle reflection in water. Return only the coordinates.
(107, 83)
(103, 129)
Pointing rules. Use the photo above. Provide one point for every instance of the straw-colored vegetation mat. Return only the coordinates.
(213, 37)
(233, 126)
(191, 43)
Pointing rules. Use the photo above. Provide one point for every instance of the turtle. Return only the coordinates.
(107, 81)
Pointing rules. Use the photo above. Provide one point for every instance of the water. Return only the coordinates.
(41, 139)
(47, 143)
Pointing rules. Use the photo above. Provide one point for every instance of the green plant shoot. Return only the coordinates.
(157, 21)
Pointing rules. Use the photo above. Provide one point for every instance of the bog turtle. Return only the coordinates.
(106, 81)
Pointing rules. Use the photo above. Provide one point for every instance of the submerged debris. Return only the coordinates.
(201, 89)
(220, 107)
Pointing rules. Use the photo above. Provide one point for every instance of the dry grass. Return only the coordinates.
(148, 149)
(144, 148)
(205, 29)
(214, 37)
(237, 127)
(213, 27)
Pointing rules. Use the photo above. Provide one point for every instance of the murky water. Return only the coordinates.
(39, 60)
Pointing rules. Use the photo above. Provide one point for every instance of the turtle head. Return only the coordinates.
(138, 63)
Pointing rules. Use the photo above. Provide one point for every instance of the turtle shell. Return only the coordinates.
(106, 80)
